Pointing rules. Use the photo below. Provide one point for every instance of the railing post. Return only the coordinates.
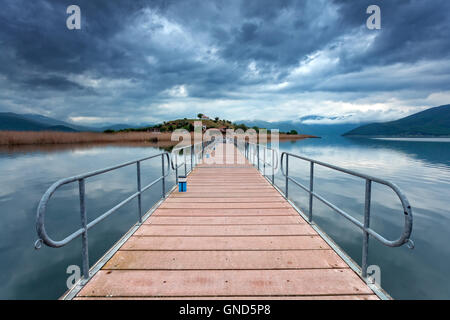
(311, 189)
(191, 148)
(163, 176)
(287, 176)
(138, 169)
(264, 162)
(248, 150)
(84, 235)
(273, 167)
(257, 150)
(176, 169)
(365, 249)
(185, 165)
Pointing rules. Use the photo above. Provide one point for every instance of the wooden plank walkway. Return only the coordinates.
(230, 236)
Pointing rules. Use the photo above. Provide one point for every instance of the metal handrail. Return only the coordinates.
(365, 226)
(83, 231)
(257, 146)
(193, 155)
(251, 147)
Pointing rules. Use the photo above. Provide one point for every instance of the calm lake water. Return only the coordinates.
(420, 169)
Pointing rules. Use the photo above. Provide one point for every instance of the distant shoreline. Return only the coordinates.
(15, 138)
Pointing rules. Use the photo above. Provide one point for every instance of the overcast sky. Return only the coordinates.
(139, 61)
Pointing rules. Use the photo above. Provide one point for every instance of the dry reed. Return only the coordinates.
(11, 138)
(52, 137)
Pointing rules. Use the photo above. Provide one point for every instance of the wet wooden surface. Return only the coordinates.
(230, 236)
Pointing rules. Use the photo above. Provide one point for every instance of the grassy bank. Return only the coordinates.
(12, 138)
(52, 137)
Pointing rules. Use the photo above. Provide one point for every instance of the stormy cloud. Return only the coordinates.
(147, 61)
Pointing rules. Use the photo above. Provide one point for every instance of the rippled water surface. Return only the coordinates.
(420, 169)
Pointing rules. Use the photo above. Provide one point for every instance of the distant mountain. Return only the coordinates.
(12, 121)
(17, 122)
(60, 128)
(47, 121)
(31, 122)
(36, 122)
(433, 122)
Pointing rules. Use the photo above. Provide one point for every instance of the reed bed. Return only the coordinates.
(52, 137)
(15, 138)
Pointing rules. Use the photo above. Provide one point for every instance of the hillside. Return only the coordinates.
(16, 122)
(33, 122)
(188, 124)
(433, 122)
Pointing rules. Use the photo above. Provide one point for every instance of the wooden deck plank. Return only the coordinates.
(222, 260)
(271, 198)
(225, 230)
(226, 243)
(206, 195)
(228, 189)
(229, 205)
(212, 220)
(225, 212)
(230, 236)
(144, 283)
(334, 297)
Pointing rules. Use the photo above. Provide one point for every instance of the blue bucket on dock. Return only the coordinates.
(182, 184)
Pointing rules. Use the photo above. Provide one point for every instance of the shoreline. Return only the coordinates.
(54, 138)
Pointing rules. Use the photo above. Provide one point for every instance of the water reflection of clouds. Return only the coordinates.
(25, 177)
(380, 161)
(424, 177)
(421, 170)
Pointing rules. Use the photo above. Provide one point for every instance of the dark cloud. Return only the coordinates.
(412, 30)
(145, 58)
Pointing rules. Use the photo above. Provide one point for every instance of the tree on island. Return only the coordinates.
(200, 115)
